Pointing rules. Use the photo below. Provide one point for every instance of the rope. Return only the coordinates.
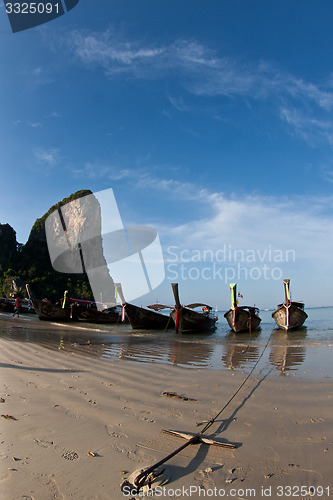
(144, 474)
(211, 421)
(249, 322)
(167, 325)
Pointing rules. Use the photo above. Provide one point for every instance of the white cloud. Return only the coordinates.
(293, 236)
(254, 222)
(300, 223)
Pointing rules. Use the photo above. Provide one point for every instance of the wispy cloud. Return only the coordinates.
(203, 71)
(178, 103)
(54, 114)
(38, 76)
(211, 74)
(97, 170)
(308, 127)
(47, 158)
(113, 53)
(34, 124)
(327, 173)
(173, 188)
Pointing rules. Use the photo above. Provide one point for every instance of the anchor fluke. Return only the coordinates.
(140, 480)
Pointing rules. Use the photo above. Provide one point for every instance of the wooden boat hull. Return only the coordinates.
(289, 318)
(7, 305)
(53, 312)
(146, 319)
(111, 315)
(241, 320)
(189, 321)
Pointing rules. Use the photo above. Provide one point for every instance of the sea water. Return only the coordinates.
(305, 351)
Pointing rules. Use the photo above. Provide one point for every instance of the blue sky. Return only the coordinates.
(211, 121)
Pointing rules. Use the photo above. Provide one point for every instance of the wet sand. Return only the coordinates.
(74, 427)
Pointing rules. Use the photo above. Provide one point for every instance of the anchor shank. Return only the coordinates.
(146, 472)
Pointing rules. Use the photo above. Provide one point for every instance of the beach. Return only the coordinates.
(75, 426)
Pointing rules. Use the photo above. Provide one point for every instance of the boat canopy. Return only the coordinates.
(158, 307)
(198, 304)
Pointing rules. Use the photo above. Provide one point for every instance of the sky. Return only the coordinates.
(211, 121)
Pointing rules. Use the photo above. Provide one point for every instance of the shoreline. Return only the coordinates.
(292, 355)
(67, 405)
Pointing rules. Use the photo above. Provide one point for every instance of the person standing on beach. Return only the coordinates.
(17, 306)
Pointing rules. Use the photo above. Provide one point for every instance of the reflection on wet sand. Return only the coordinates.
(285, 355)
(135, 349)
(190, 353)
(172, 351)
(237, 356)
(239, 351)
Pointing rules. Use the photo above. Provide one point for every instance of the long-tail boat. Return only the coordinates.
(241, 318)
(69, 309)
(76, 311)
(142, 318)
(46, 311)
(88, 311)
(187, 320)
(289, 315)
(6, 305)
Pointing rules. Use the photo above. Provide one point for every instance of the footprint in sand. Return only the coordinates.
(70, 455)
(44, 443)
(50, 484)
(270, 454)
(146, 418)
(203, 477)
(314, 420)
(138, 456)
(4, 475)
(115, 434)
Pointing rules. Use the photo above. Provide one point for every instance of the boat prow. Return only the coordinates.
(187, 320)
(142, 318)
(243, 318)
(289, 315)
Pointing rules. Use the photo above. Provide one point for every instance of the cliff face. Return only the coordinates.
(35, 251)
(8, 246)
(32, 262)
(38, 229)
(75, 245)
